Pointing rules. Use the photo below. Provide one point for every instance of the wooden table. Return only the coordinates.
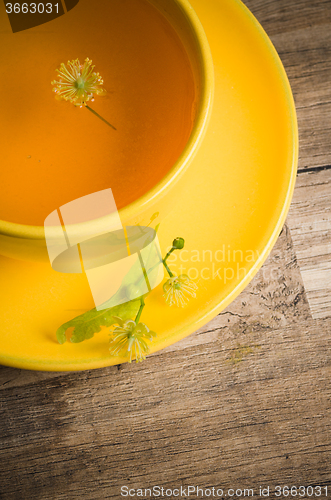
(242, 403)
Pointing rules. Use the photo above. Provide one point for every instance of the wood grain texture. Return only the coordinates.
(193, 418)
(306, 55)
(242, 403)
(310, 223)
(283, 16)
(301, 33)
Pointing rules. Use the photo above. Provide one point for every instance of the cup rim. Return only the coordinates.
(26, 231)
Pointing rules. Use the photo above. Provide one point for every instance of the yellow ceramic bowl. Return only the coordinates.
(28, 242)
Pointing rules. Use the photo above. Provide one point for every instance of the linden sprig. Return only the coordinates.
(130, 337)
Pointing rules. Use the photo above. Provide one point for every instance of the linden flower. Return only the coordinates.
(177, 288)
(131, 337)
(78, 82)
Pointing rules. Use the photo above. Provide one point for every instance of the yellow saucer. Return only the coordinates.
(240, 187)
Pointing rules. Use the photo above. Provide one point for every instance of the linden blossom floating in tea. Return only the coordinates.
(78, 84)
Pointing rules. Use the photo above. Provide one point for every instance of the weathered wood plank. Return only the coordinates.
(301, 33)
(196, 417)
(282, 16)
(310, 222)
(306, 55)
(12, 377)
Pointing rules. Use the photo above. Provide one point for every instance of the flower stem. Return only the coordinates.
(142, 305)
(97, 114)
(165, 262)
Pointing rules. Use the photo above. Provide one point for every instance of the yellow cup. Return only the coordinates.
(28, 243)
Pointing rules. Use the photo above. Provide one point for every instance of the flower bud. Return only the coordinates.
(178, 243)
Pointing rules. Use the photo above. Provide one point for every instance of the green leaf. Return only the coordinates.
(89, 323)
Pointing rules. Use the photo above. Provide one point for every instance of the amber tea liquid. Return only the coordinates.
(53, 152)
